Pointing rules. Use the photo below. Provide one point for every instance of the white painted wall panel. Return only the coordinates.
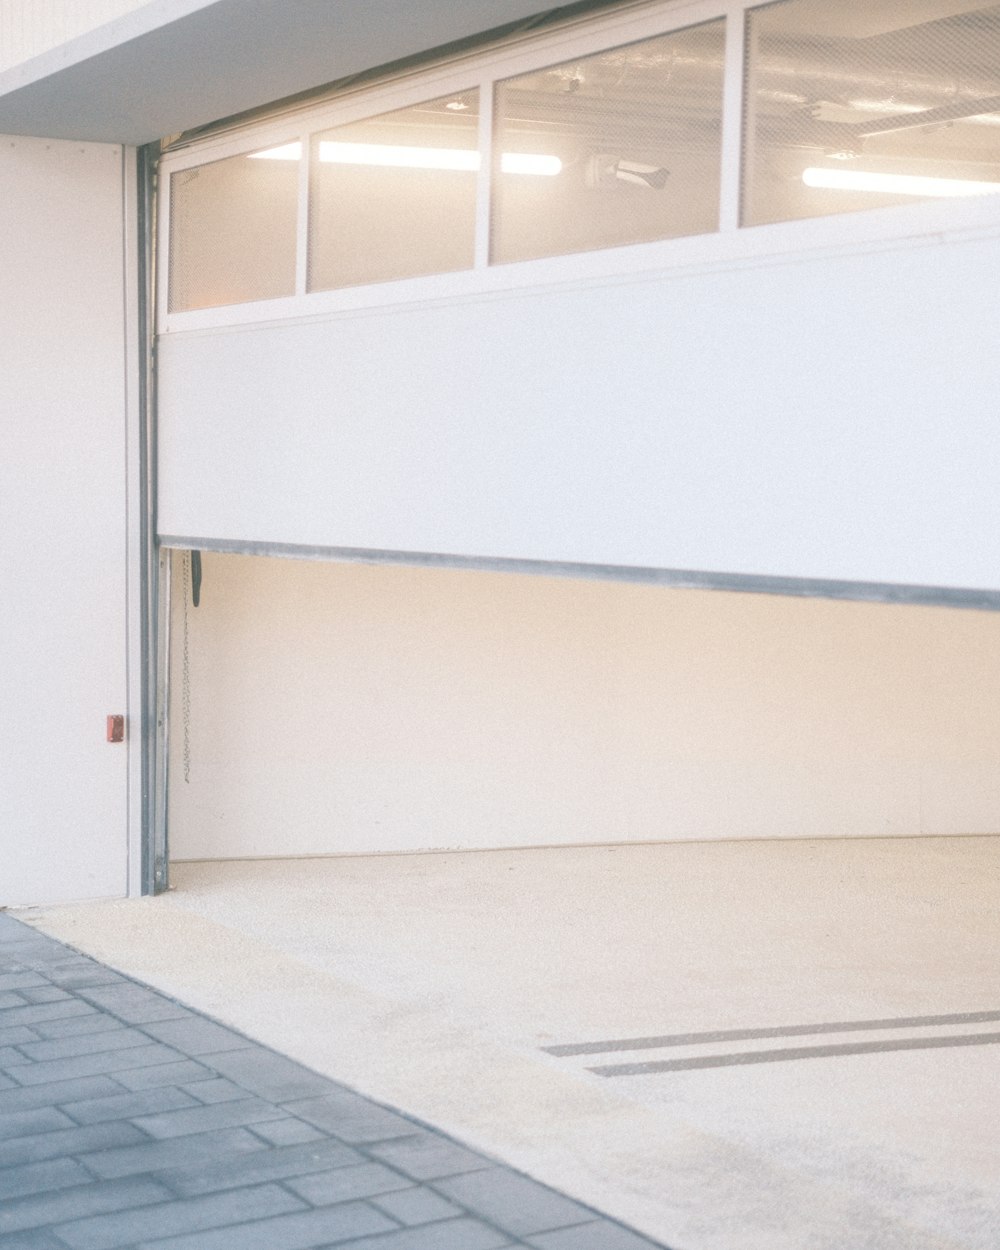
(30, 27)
(63, 625)
(351, 709)
(825, 416)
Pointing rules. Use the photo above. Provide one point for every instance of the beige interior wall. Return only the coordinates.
(346, 708)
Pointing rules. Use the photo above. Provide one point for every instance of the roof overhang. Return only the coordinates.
(174, 65)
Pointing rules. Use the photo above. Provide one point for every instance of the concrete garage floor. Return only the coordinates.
(442, 983)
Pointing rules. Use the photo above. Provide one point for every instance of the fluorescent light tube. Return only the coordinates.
(894, 184)
(401, 157)
(397, 156)
(287, 152)
(530, 163)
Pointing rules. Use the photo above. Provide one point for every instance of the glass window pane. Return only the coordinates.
(853, 106)
(232, 230)
(621, 147)
(394, 196)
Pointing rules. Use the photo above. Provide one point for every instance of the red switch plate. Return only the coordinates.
(116, 728)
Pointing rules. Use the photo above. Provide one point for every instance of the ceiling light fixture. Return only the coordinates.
(895, 184)
(397, 156)
(530, 163)
(287, 152)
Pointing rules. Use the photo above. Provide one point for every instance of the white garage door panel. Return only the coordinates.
(825, 417)
(63, 789)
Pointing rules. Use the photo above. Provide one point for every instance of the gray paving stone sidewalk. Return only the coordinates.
(128, 1120)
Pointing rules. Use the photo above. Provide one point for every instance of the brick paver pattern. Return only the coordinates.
(129, 1120)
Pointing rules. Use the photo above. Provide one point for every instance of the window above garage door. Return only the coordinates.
(660, 137)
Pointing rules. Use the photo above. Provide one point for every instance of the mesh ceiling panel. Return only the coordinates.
(856, 105)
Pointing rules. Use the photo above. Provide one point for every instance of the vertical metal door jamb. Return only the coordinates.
(160, 740)
(155, 564)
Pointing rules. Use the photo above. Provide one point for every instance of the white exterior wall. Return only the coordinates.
(27, 30)
(346, 709)
(824, 414)
(67, 640)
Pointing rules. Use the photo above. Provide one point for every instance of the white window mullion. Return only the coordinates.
(163, 248)
(732, 119)
(302, 227)
(485, 181)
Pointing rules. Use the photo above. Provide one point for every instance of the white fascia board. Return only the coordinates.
(120, 30)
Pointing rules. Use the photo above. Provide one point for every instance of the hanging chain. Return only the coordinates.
(186, 669)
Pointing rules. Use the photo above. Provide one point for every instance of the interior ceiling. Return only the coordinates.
(175, 65)
(863, 19)
(834, 83)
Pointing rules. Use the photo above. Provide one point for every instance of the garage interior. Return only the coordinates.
(319, 708)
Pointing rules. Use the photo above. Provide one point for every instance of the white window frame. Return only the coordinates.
(730, 246)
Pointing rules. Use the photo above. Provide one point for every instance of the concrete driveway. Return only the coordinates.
(774, 1045)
